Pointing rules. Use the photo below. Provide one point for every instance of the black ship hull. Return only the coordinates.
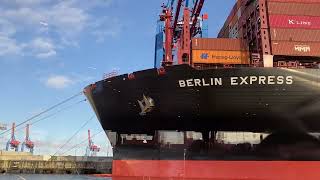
(235, 99)
(169, 103)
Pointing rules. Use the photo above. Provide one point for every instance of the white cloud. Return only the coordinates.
(43, 48)
(58, 82)
(9, 46)
(62, 81)
(61, 18)
(23, 2)
(46, 54)
(38, 47)
(65, 22)
(88, 5)
(18, 15)
(6, 28)
(106, 27)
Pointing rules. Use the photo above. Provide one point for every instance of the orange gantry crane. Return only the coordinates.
(92, 149)
(13, 143)
(27, 142)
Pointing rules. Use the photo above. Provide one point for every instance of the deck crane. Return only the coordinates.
(13, 143)
(179, 30)
(92, 149)
(27, 142)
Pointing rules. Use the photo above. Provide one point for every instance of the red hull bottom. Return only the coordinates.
(217, 170)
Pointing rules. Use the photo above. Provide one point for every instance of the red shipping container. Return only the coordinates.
(285, 21)
(298, 35)
(295, 48)
(295, 9)
(298, 1)
(223, 44)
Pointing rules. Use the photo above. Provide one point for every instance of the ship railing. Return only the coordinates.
(218, 66)
(279, 64)
(297, 65)
(110, 74)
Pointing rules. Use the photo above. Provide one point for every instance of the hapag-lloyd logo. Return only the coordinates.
(296, 22)
(302, 48)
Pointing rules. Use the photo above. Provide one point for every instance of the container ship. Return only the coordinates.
(245, 105)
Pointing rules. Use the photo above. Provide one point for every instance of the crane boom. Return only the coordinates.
(178, 36)
(175, 22)
(12, 130)
(194, 8)
(27, 132)
(89, 137)
(195, 15)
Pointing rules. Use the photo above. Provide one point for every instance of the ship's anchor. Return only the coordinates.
(146, 105)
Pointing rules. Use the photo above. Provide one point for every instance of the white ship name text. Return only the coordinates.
(237, 81)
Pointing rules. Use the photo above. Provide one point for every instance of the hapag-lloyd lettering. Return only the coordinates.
(236, 81)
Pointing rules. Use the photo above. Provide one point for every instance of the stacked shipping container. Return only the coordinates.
(276, 27)
(231, 28)
(247, 25)
(294, 27)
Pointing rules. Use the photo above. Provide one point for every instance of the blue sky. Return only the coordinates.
(52, 49)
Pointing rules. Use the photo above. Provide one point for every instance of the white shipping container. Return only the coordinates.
(194, 135)
(240, 137)
(171, 137)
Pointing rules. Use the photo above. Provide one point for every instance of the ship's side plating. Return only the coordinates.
(149, 116)
(251, 99)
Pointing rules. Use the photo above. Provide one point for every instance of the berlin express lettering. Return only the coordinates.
(237, 81)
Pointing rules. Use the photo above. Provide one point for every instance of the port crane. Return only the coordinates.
(27, 142)
(179, 30)
(92, 149)
(13, 143)
(3, 126)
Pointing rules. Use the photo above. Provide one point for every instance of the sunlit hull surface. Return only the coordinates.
(248, 99)
(272, 100)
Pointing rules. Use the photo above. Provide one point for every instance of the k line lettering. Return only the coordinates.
(295, 22)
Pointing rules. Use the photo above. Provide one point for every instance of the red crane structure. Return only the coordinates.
(27, 142)
(13, 143)
(179, 30)
(92, 149)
